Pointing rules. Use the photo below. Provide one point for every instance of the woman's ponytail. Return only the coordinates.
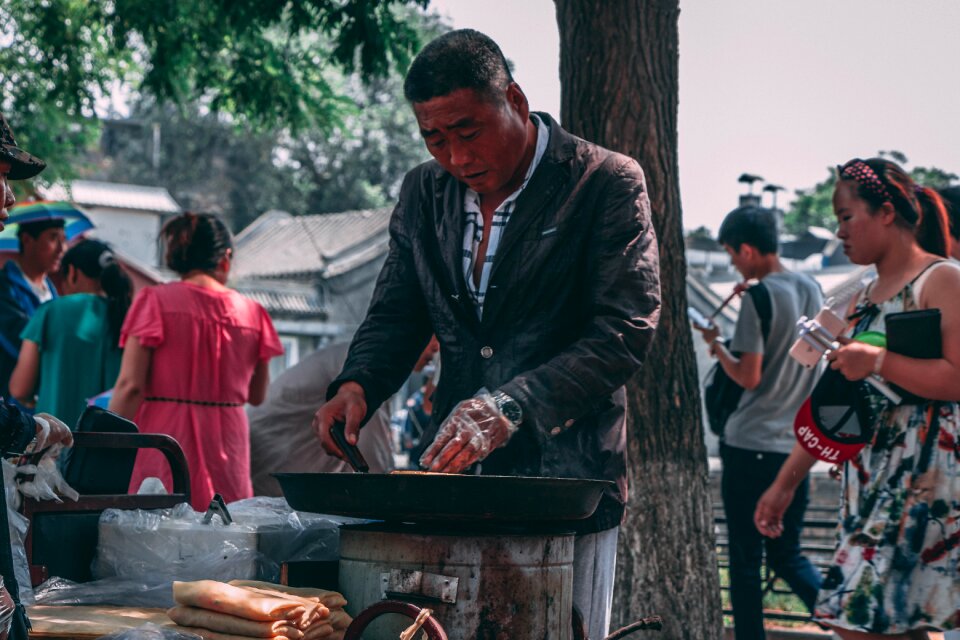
(933, 227)
(119, 289)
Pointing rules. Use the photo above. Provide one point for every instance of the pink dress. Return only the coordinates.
(206, 344)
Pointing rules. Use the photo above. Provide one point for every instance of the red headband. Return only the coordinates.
(866, 177)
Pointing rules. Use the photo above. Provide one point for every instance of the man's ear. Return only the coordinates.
(748, 252)
(517, 100)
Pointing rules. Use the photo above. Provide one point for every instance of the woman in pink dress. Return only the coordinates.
(194, 353)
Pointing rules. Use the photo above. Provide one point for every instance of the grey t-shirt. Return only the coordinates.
(763, 420)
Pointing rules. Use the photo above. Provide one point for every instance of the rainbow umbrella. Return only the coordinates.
(75, 221)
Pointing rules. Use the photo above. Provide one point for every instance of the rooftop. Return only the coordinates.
(279, 244)
(116, 196)
(283, 299)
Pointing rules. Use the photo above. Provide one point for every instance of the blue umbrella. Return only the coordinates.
(75, 221)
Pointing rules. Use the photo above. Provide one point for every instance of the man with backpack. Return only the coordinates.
(758, 433)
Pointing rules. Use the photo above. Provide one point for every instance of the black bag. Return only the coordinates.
(101, 471)
(915, 334)
(721, 394)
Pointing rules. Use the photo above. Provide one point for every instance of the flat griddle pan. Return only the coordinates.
(443, 498)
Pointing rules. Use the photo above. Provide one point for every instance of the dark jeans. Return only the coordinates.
(746, 475)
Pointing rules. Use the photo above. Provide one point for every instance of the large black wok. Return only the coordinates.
(443, 498)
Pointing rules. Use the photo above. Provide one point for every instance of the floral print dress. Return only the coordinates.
(897, 564)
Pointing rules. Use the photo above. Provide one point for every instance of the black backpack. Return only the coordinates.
(721, 394)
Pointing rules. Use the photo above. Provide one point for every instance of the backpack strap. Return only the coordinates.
(761, 301)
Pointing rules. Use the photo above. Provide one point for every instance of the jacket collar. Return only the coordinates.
(24, 291)
(550, 175)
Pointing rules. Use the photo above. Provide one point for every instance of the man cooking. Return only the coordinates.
(530, 253)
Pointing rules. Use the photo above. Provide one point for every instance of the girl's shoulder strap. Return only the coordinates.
(916, 285)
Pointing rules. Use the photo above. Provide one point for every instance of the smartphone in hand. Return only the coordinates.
(699, 320)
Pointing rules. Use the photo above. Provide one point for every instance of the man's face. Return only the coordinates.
(6, 193)
(480, 140)
(742, 259)
(46, 249)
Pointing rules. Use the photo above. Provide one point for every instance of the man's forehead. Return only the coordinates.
(5, 168)
(459, 108)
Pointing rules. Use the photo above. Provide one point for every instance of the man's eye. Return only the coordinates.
(470, 135)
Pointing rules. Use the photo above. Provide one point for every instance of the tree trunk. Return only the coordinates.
(619, 84)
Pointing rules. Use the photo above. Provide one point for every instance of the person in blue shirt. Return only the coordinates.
(25, 285)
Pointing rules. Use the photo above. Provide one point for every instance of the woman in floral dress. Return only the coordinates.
(896, 571)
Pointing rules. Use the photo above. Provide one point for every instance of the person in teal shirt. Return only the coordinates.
(70, 350)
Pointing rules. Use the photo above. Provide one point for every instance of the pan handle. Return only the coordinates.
(355, 631)
(354, 457)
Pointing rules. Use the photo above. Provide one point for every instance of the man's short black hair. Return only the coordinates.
(951, 198)
(750, 225)
(34, 229)
(461, 59)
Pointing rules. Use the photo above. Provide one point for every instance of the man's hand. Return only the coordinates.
(768, 516)
(50, 431)
(469, 434)
(348, 406)
(709, 334)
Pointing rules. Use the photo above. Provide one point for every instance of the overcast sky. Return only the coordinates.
(778, 88)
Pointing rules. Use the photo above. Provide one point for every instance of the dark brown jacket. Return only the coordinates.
(572, 305)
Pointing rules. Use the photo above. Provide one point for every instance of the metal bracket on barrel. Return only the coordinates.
(403, 584)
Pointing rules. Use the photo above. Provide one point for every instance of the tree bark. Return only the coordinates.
(619, 88)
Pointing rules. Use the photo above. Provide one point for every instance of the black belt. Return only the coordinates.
(202, 403)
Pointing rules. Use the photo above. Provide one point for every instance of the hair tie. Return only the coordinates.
(106, 259)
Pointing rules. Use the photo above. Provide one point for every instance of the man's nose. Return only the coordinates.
(460, 155)
(8, 199)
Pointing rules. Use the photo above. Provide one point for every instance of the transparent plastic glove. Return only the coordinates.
(475, 428)
(46, 483)
(50, 431)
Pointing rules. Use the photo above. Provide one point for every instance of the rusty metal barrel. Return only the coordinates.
(480, 585)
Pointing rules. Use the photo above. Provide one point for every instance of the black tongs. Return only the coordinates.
(354, 457)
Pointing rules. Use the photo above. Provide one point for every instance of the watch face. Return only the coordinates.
(511, 410)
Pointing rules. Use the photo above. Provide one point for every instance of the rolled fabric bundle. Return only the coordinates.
(222, 597)
(224, 623)
(321, 631)
(330, 599)
(315, 610)
(339, 619)
(316, 632)
(207, 634)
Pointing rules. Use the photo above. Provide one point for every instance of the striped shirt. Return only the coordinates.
(473, 230)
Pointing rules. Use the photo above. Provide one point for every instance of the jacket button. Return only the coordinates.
(568, 423)
(555, 431)
(486, 352)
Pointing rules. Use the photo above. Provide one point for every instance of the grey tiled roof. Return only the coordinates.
(117, 196)
(283, 299)
(279, 244)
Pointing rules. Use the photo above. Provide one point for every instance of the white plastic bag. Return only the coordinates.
(140, 553)
(18, 533)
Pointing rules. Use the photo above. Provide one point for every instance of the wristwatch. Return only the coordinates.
(509, 407)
